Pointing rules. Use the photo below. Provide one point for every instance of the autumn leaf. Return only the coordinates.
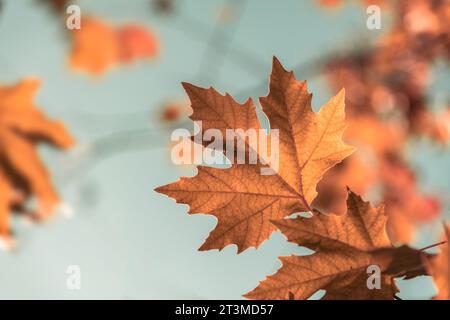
(22, 173)
(243, 200)
(439, 268)
(345, 246)
(98, 46)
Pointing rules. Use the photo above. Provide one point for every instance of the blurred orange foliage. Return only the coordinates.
(387, 105)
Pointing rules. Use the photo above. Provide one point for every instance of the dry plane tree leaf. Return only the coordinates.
(243, 200)
(22, 173)
(439, 268)
(345, 245)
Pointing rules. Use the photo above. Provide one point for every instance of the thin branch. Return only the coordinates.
(89, 154)
(238, 54)
(433, 245)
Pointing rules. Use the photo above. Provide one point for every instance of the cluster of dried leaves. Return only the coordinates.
(387, 106)
(250, 206)
(337, 3)
(98, 46)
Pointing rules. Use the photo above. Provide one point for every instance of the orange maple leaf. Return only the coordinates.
(243, 200)
(21, 171)
(345, 245)
(98, 46)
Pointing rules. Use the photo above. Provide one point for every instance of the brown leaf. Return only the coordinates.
(345, 245)
(243, 200)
